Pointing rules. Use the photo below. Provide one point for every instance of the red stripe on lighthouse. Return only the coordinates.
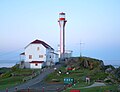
(61, 18)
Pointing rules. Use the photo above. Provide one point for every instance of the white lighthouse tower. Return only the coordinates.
(62, 21)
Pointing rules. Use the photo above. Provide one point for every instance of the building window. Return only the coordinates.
(38, 48)
(36, 64)
(40, 56)
(30, 56)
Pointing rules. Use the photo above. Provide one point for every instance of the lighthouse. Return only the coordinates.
(62, 21)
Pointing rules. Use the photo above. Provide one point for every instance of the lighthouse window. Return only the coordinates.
(40, 56)
(38, 48)
(30, 56)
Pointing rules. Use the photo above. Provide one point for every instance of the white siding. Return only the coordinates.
(32, 50)
(49, 55)
(33, 65)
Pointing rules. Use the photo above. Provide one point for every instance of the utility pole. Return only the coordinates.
(81, 48)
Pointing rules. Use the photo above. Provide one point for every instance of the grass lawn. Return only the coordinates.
(73, 74)
(15, 77)
(79, 76)
(94, 89)
(11, 81)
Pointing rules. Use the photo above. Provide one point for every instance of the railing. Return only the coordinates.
(43, 89)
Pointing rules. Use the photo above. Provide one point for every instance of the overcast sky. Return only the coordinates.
(94, 22)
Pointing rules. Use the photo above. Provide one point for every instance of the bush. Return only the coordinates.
(16, 67)
(55, 80)
(6, 75)
(108, 81)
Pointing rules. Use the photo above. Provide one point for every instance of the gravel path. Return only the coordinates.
(96, 84)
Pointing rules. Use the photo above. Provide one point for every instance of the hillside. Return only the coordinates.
(79, 68)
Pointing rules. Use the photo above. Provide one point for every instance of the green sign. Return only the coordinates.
(68, 80)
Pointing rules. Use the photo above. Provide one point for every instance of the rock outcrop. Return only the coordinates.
(84, 62)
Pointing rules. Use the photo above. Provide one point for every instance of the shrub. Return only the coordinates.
(6, 75)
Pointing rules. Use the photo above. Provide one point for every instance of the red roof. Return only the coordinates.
(37, 62)
(41, 42)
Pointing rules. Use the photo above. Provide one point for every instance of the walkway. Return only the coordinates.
(96, 84)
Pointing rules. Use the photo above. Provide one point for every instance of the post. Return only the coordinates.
(81, 48)
(16, 89)
(64, 87)
(6, 89)
(28, 89)
(43, 89)
(57, 89)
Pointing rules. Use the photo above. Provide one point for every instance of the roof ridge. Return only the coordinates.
(41, 42)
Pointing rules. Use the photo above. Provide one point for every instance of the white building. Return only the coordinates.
(38, 54)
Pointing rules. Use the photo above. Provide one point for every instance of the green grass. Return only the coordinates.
(11, 81)
(94, 89)
(79, 76)
(7, 80)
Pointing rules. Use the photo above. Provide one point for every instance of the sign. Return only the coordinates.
(68, 80)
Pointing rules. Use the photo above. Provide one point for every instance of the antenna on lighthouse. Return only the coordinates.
(62, 21)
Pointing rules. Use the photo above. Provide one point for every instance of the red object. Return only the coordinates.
(69, 68)
(74, 90)
(61, 18)
(6, 89)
